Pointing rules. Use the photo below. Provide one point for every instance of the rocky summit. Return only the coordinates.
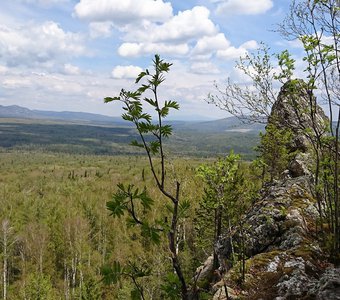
(283, 255)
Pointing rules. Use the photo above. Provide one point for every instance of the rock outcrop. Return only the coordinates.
(292, 110)
(284, 258)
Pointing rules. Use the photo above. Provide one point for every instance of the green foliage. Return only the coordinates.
(249, 103)
(91, 290)
(287, 66)
(274, 154)
(227, 195)
(67, 221)
(151, 138)
(38, 287)
(111, 274)
(134, 110)
(171, 287)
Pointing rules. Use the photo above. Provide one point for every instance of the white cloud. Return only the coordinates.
(171, 37)
(232, 53)
(120, 72)
(42, 44)
(219, 45)
(250, 45)
(138, 49)
(208, 44)
(123, 11)
(71, 69)
(204, 68)
(187, 25)
(100, 29)
(244, 7)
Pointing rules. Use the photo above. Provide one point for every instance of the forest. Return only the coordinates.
(136, 217)
(113, 139)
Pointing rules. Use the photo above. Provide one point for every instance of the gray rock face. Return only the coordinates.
(292, 110)
(204, 273)
(300, 165)
(274, 221)
(329, 285)
(283, 254)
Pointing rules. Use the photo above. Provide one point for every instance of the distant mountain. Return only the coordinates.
(15, 111)
(231, 124)
(76, 132)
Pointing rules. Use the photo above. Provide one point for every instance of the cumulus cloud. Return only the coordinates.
(120, 72)
(244, 7)
(219, 45)
(100, 29)
(209, 44)
(42, 44)
(123, 11)
(171, 37)
(186, 25)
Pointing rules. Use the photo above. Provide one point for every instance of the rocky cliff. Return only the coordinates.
(284, 259)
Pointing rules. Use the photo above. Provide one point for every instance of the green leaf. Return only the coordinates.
(136, 144)
(139, 271)
(133, 95)
(154, 147)
(164, 111)
(172, 104)
(111, 275)
(166, 130)
(147, 202)
(110, 99)
(141, 75)
(145, 127)
(143, 88)
(150, 101)
(184, 207)
(146, 117)
(151, 233)
(127, 117)
(116, 207)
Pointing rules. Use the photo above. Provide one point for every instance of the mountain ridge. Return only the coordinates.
(232, 124)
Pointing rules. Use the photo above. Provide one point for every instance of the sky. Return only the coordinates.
(67, 55)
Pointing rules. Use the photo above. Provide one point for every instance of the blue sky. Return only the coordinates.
(69, 55)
